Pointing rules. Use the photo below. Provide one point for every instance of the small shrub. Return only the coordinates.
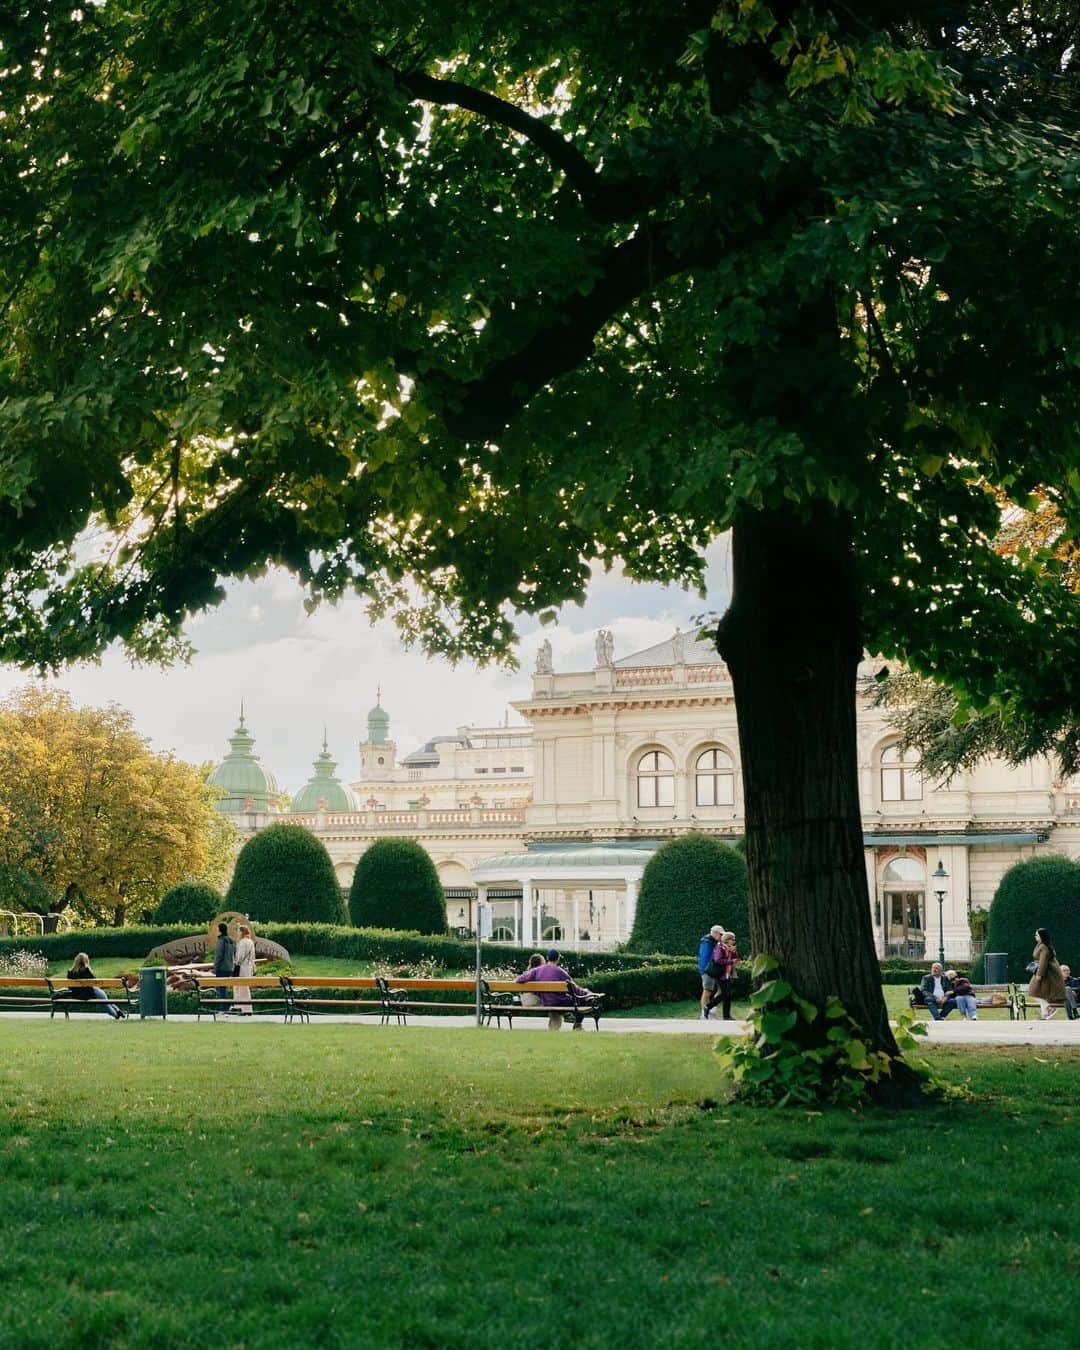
(395, 885)
(191, 902)
(688, 885)
(801, 1055)
(284, 873)
(1041, 892)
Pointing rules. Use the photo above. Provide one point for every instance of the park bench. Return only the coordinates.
(1022, 1009)
(40, 993)
(63, 995)
(402, 995)
(303, 998)
(987, 996)
(502, 998)
(205, 987)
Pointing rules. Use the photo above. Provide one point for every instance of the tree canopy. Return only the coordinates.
(91, 820)
(450, 305)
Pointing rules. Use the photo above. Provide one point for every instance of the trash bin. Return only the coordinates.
(996, 968)
(152, 998)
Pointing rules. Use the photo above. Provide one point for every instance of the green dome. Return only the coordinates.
(247, 785)
(324, 790)
(378, 725)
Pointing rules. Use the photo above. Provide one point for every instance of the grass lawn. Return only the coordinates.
(171, 1185)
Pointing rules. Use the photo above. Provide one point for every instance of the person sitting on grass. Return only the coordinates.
(551, 970)
(963, 995)
(80, 970)
(937, 992)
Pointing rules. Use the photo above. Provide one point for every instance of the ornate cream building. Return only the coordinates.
(553, 820)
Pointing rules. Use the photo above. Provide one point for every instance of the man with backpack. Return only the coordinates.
(224, 958)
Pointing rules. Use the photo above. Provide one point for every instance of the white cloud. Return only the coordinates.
(297, 672)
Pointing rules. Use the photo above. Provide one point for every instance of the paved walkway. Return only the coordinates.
(1057, 1031)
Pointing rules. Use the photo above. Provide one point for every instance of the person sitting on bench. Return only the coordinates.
(937, 990)
(80, 970)
(1072, 993)
(551, 970)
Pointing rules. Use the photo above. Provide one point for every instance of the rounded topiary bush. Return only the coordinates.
(690, 884)
(190, 902)
(1037, 893)
(395, 885)
(285, 874)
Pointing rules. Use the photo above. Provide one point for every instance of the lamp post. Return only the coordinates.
(939, 878)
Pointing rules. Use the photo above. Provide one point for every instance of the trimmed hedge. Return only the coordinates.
(395, 885)
(349, 944)
(190, 902)
(1040, 892)
(688, 885)
(284, 873)
(671, 983)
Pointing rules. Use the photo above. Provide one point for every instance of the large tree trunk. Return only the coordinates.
(791, 640)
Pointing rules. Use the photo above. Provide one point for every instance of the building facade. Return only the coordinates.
(553, 820)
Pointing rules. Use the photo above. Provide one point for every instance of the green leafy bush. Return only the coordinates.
(1040, 892)
(395, 885)
(284, 873)
(191, 902)
(801, 1055)
(690, 884)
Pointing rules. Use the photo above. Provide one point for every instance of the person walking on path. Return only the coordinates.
(245, 968)
(1047, 984)
(705, 950)
(80, 970)
(551, 970)
(725, 954)
(224, 957)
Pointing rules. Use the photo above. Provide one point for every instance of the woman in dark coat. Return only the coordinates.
(80, 970)
(1047, 984)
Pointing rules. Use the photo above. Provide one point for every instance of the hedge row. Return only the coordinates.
(330, 940)
(672, 983)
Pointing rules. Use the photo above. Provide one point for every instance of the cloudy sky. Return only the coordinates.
(297, 672)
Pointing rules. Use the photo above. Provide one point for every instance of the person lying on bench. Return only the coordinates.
(80, 970)
(549, 971)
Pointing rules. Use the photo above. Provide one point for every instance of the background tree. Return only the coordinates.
(395, 885)
(284, 873)
(190, 902)
(1036, 893)
(590, 291)
(688, 885)
(92, 820)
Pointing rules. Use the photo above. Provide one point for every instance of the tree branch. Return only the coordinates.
(607, 202)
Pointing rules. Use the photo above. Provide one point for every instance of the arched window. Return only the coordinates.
(901, 777)
(714, 778)
(655, 779)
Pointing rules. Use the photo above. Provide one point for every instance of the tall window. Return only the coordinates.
(655, 779)
(714, 776)
(901, 777)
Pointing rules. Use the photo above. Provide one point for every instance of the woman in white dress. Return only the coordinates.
(245, 961)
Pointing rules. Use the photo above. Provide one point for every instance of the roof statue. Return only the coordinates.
(543, 659)
(605, 648)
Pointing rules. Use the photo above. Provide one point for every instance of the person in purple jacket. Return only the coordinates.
(551, 970)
